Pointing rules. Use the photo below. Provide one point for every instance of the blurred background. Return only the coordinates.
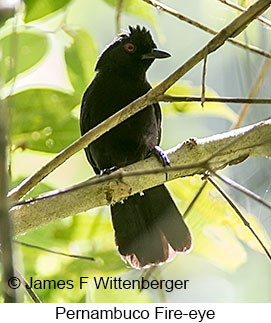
(48, 59)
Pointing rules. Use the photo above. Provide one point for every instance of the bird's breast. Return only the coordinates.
(130, 141)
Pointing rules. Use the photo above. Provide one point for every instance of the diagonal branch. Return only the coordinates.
(231, 30)
(229, 148)
(209, 30)
(240, 8)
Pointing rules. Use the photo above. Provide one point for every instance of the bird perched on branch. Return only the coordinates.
(148, 227)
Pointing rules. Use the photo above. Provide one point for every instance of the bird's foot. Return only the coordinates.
(108, 171)
(161, 155)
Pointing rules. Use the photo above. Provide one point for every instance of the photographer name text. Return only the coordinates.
(167, 285)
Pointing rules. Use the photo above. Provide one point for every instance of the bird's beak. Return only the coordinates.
(156, 53)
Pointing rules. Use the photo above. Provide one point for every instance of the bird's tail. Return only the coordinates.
(149, 229)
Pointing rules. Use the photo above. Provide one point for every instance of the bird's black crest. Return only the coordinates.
(141, 34)
(138, 31)
(135, 34)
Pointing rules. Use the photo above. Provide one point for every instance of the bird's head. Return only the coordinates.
(131, 53)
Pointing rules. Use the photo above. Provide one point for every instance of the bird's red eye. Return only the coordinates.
(129, 47)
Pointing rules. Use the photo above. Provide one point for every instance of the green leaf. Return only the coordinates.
(37, 9)
(23, 50)
(80, 59)
(42, 119)
(210, 108)
(136, 8)
(216, 228)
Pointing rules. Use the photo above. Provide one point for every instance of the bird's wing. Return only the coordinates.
(84, 128)
(158, 115)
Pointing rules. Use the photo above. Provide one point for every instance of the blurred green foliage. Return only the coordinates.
(51, 127)
(45, 120)
(135, 7)
(80, 59)
(39, 9)
(217, 228)
(212, 109)
(24, 49)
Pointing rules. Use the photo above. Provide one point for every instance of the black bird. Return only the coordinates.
(148, 227)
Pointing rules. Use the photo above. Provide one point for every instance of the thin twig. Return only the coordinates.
(118, 15)
(116, 175)
(240, 8)
(171, 98)
(53, 252)
(191, 204)
(253, 92)
(30, 291)
(203, 87)
(242, 189)
(234, 28)
(194, 23)
(240, 214)
(23, 281)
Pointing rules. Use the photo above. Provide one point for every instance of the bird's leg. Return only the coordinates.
(161, 155)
